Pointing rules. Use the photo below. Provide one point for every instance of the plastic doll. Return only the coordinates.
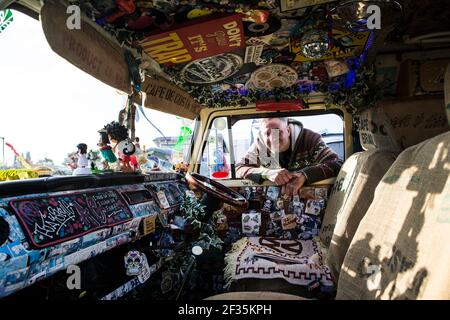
(82, 163)
(123, 147)
(106, 150)
(137, 144)
(73, 160)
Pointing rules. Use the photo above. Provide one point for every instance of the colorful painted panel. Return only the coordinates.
(50, 220)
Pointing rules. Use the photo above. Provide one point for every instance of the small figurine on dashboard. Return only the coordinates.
(82, 163)
(123, 146)
(94, 157)
(106, 150)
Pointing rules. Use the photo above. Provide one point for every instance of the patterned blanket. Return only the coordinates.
(299, 262)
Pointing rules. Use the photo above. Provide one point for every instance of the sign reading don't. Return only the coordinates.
(85, 47)
(192, 41)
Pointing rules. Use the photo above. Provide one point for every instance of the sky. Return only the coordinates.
(48, 106)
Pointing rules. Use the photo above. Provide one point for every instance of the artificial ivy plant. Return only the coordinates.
(362, 94)
(201, 232)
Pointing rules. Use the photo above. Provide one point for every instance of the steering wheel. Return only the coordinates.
(217, 190)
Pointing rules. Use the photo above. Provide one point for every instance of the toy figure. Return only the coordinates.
(106, 150)
(93, 156)
(220, 167)
(137, 144)
(72, 164)
(82, 163)
(181, 167)
(123, 147)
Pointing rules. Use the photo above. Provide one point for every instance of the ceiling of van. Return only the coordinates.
(227, 53)
(237, 52)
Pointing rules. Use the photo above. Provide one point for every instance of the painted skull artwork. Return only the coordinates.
(134, 263)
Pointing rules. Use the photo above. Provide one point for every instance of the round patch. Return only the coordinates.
(254, 29)
(212, 69)
(273, 76)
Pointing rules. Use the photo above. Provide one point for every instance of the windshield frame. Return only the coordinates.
(233, 115)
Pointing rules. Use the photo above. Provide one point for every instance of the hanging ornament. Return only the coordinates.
(220, 168)
(134, 263)
(315, 44)
(220, 124)
(186, 132)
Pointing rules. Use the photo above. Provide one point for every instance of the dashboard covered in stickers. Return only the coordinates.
(49, 225)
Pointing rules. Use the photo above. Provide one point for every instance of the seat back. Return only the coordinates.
(351, 197)
(400, 249)
(384, 131)
(353, 190)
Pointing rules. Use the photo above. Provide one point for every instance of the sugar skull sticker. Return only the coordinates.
(134, 263)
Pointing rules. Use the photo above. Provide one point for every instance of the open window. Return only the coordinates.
(229, 138)
(216, 157)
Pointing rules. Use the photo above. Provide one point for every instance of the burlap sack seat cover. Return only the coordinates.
(351, 197)
(400, 249)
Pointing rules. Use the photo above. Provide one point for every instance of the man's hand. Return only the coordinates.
(294, 186)
(279, 176)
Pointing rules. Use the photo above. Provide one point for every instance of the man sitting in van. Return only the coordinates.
(288, 155)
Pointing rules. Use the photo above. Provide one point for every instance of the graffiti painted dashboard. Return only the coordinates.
(51, 223)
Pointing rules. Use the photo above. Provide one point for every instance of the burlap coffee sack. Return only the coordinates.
(400, 249)
(351, 196)
(397, 124)
(376, 132)
(416, 119)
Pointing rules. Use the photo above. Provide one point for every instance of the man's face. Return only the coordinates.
(276, 135)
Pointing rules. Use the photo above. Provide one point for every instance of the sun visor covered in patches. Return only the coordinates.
(164, 96)
(86, 47)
